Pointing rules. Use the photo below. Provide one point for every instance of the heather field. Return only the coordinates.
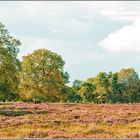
(51, 120)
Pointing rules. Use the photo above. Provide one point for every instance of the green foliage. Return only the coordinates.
(129, 85)
(76, 84)
(87, 92)
(121, 87)
(9, 65)
(102, 87)
(114, 87)
(42, 76)
(72, 95)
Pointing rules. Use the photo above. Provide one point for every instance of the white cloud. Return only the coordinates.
(122, 10)
(53, 10)
(115, 10)
(125, 39)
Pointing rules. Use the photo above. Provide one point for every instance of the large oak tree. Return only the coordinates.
(42, 76)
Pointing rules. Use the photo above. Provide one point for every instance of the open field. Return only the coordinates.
(27, 120)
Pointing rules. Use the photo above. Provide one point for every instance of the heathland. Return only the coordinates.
(55, 120)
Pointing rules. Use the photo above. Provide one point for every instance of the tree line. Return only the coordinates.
(40, 77)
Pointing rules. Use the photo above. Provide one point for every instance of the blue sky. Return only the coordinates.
(91, 36)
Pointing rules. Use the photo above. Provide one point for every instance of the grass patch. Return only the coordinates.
(14, 113)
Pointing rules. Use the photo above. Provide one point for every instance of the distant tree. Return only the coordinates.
(123, 87)
(42, 76)
(105, 87)
(102, 87)
(76, 85)
(113, 87)
(72, 96)
(129, 85)
(9, 65)
(87, 92)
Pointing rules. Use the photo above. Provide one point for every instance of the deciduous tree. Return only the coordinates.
(9, 65)
(42, 76)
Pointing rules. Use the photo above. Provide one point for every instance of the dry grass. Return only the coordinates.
(27, 120)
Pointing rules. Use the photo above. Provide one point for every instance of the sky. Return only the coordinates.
(91, 36)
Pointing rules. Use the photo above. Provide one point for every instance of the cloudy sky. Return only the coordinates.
(90, 36)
